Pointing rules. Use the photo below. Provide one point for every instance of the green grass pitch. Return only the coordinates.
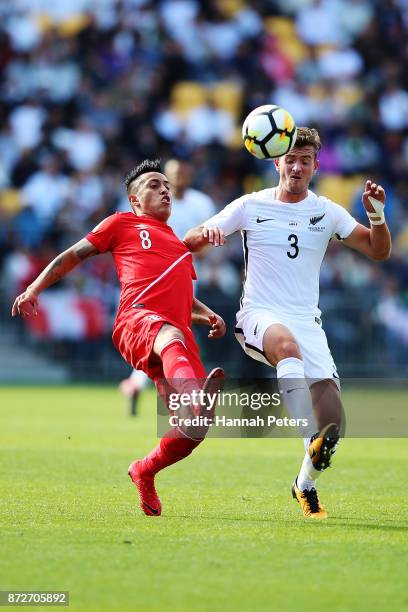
(230, 538)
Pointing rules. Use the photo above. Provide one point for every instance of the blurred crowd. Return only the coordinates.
(88, 88)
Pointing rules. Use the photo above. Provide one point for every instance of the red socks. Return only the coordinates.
(174, 446)
(176, 363)
(177, 368)
(169, 451)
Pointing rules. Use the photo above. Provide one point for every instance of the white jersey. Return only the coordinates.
(284, 245)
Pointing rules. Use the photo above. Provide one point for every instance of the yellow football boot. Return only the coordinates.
(323, 445)
(309, 502)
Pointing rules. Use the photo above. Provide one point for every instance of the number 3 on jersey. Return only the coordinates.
(294, 245)
(145, 239)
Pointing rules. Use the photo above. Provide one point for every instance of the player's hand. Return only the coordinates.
(374, 191)
(25, 304)
(218, 327)
(214, 235)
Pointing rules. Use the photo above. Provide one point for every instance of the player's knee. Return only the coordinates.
(166, 335)
(172, 333)
(282, 350)
(280, 344)
(288, 348)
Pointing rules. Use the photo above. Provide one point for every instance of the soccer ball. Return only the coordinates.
(269, 131)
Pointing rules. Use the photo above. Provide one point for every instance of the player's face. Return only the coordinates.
(150, 196)
(296, 170)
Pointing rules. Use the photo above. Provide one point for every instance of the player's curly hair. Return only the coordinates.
(147, 165)
(308, 137)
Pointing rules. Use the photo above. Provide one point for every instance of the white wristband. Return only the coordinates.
(378, 215)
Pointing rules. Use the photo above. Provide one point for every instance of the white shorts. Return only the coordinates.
(308, 332)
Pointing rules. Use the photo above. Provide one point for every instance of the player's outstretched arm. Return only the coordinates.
(376, 241)
(26, 303)
(202, 315)
(200, 237)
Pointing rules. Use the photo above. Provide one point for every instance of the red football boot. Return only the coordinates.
(149, 500)
(214, 383)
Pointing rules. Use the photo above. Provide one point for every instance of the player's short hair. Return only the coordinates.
(308, 137)
(147, 165)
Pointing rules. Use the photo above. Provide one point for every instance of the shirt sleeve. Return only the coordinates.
(103, 235)
(343, 222)
(231, 219)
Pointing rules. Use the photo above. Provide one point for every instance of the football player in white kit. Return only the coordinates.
(285, 232)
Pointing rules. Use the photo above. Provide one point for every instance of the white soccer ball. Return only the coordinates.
(269, 131)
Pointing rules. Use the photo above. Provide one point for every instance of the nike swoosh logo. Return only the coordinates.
(294, 389)
(152, 510)
(263, 220)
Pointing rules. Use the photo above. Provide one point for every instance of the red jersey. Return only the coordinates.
(154, 267)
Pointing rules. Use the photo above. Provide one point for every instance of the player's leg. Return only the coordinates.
(141, 339)
(325, 391)
(173, 447)
(322, 446)
(282, 351)
(280, 348)
(181, 364)
(328, 409)
(327, 402)
(170, 347)
(264, 338)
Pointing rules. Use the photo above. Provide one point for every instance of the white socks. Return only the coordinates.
(308, 475)
(296, 395)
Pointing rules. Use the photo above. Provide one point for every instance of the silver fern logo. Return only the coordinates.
(316, 220)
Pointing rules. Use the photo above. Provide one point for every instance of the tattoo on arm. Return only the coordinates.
(83, 251)
(64, 263)
(55, 270)
(52, 273)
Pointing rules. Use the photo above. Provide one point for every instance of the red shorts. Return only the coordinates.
(134, 336)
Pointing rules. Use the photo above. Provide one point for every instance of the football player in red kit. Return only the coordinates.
(152, 330)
